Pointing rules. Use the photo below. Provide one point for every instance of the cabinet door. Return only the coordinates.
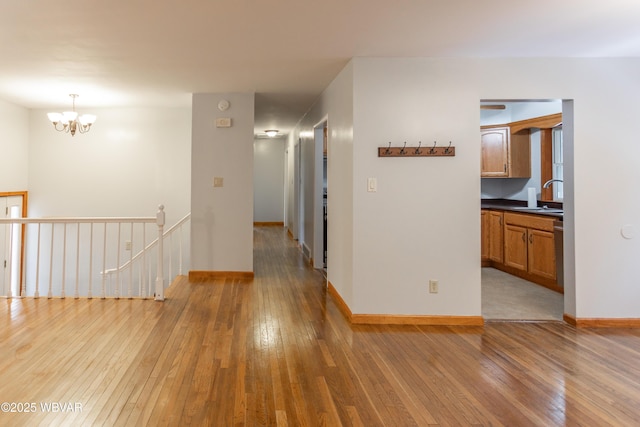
(494, 145)
(515, 247)
(484, 231)
(496, 237)
(542, 254)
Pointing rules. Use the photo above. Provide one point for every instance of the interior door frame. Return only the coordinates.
(25, 204)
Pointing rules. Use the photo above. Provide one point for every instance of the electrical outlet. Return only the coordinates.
(127, 245)
(433, 286)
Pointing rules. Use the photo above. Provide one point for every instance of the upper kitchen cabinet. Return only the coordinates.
(505, 153)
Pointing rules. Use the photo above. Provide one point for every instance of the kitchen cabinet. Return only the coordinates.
(492, 236)
(505, 154)
(496, 236)
(484, 235)
(529, 246)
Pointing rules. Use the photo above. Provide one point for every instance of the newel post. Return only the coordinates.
(160, 267)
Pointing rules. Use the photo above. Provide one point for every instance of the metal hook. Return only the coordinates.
(432, 150)
(388, 150)
(418, 149)
(403, 151)
(448, 149)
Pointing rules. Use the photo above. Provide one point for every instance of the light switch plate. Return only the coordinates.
(372, 185)
(218, 181)
(223, 122)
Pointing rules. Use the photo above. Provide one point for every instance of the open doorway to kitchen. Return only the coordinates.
(523, 209)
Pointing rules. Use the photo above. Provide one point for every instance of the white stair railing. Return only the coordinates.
(54, 265)
(129, 265)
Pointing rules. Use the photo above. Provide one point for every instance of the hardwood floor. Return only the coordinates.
(276, 351)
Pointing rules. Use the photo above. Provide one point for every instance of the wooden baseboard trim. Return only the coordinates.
(268, 224)
(633, 323)
(569, 319)
(342, 306)
(208, 275)
(399, 319)
(290, 234)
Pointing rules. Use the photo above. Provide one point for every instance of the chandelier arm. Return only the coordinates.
(64, 128)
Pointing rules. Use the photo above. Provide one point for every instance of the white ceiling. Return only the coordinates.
(157, 52)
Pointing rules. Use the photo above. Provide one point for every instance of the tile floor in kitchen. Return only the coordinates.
(507, 297)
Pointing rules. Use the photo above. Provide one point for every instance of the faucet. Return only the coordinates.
(548, 183)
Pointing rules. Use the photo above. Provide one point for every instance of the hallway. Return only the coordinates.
(276, 351)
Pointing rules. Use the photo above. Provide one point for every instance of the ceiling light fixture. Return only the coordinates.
(271, 133)
(70, 121)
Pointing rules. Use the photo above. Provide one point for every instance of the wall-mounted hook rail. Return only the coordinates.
(403, 151)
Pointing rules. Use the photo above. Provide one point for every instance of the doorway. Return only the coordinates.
(12, 205)
(508, 294)
(320, 134)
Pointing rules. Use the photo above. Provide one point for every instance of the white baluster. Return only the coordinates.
(160, 218)
(131, 263)
(104, 262)
(143, 268)
(10, 291)
(117, 291)
(64, 259)
(77, 293)
(89, 293)
(37, 292)
(180, 249)
(50, 294)
(170, 257)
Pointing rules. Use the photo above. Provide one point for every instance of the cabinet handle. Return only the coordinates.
(524, 239)
(505, 168)
(530, 238)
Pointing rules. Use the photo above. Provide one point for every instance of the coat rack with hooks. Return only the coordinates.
(419, 151)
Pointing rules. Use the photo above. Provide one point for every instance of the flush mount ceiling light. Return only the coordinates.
(70, 122)
(271, 133)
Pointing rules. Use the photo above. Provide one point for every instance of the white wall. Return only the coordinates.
(423, 223)
(268, 180)
(131, 161)
(222, 217)
(335, 105)
(14, 146)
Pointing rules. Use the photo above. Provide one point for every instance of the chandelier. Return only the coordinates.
(70, 122)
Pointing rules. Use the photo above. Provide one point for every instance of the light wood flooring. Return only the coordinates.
(276, 351)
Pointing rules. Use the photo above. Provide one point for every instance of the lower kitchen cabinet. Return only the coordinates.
(542, 254)
(520, 244)
(515, 244)
(492, 236)
(484, 232)
(529, 245)
(496, 236)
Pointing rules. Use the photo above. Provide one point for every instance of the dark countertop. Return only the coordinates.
(553, 209)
